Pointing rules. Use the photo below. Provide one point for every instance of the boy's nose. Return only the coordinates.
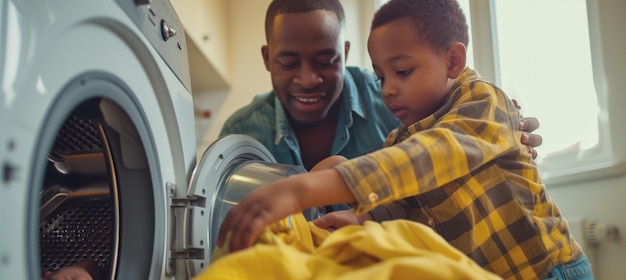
(388, 90)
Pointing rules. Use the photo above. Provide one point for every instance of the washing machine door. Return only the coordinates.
(230, 168)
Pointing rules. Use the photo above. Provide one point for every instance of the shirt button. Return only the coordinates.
(373, 197)
(431, 222)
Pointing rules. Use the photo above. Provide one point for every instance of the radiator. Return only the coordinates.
(590, 233)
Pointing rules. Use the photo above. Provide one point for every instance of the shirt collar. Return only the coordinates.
(282, 125)
(350, 95)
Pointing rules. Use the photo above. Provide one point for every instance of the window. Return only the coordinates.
(543, 59)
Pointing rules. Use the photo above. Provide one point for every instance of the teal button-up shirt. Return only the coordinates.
(364, 121)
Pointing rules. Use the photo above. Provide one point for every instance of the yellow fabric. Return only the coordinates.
(398, 249)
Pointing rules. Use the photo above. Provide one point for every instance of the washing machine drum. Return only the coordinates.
(230, 168)
(84, 215)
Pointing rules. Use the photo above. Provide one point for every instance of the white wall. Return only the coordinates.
(248, 76)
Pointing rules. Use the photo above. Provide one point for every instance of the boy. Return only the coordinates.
(454, 163)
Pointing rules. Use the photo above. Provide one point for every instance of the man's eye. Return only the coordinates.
(325, 63)
(326, 60)
(288, 64)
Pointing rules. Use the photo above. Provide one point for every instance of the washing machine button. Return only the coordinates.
(167, 32)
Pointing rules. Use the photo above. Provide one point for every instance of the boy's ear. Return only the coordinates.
(266, 57)
(456, 59)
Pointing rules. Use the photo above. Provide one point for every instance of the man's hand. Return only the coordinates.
(527, 126)
(68, 273)
(337, 219)
(84, 270)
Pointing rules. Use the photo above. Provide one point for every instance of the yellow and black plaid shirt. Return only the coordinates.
(464, 172)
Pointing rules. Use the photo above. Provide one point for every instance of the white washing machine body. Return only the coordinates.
(110, 61)
(97, 149)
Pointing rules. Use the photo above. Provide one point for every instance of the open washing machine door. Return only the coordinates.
(230, 168)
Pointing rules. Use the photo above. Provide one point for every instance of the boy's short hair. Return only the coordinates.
(279, 7)
(439, 22)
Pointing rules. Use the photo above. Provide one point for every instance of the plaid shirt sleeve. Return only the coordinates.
(473, 128)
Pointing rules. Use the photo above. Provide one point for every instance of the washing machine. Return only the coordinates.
(97, 144)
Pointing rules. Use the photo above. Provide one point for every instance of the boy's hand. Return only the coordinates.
(258, 209)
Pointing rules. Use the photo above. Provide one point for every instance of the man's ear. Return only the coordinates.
(346, 50)
(266, 57)
(456, 59)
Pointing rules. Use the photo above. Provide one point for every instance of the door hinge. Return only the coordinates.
(182, 249)
(178, 202)
(187, 254)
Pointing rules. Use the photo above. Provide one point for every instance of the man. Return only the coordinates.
(318, 106)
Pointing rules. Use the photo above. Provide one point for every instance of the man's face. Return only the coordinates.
(305, 55)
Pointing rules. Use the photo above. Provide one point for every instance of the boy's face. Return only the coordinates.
(414, 77)
(305, 55)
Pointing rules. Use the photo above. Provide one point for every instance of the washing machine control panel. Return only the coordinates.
(158, 21)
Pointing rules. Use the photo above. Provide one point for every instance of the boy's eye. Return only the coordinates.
(380, 79)
(404, 73)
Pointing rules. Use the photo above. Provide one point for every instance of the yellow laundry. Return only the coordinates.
(398, 249)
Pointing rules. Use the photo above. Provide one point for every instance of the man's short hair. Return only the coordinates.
(280, 7)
